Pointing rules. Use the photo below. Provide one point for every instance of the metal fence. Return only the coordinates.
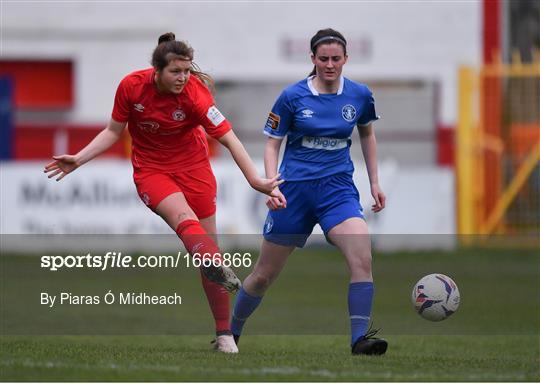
(498, 149)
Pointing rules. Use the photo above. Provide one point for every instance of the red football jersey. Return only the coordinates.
(166, 128)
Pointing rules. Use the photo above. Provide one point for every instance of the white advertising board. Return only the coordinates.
(100, 198)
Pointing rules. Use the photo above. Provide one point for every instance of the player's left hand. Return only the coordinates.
(267, 186)
(379, 197)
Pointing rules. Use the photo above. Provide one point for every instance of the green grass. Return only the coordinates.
(300, 332)
(268, 358)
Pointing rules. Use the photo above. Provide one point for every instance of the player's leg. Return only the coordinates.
(284, 229)
(176, 212)
(209, 225)
(162, 194)
(218, 299)
(341, 218)
(200, 189)
(351, 237)
(271, 261)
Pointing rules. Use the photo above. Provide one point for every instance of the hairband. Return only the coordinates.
(327, 38)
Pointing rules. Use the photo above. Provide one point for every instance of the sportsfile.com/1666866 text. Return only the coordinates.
(116, 259)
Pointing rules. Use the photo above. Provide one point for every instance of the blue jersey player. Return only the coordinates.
(318, 115)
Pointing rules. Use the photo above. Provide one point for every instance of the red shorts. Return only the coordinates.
(198, 186)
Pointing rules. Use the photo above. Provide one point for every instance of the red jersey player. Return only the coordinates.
(167, 109)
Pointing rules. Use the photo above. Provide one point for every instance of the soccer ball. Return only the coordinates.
(435, 297)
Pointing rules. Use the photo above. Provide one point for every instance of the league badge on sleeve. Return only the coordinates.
(273, 121)
(215, 116)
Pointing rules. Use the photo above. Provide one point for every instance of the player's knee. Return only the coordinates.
(260, 282)
(184, 216)
(361, 263)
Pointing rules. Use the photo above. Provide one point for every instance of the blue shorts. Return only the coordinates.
(327, 201)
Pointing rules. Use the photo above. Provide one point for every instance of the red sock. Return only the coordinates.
(196, 240)
(218, 299)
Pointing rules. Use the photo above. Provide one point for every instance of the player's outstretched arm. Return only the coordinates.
(369, 149)
(244, 162)
(64, 164)
(271, 156)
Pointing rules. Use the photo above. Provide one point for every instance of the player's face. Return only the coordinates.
(174, 76)
(329, 60)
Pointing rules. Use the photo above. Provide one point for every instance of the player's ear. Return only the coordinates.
(346, 58)
(313, 58)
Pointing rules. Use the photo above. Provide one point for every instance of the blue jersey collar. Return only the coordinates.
(316, 93)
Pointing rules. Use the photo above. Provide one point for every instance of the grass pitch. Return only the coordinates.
(300, 332)
(268, 358)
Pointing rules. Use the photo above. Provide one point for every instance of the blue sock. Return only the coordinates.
(360, 301)
(243, 307)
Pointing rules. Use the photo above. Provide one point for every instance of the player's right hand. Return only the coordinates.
(266, 186)
(277, 200)
(62, 165)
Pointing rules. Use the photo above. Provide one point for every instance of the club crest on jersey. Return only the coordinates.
(348, 112)
(138, 107)
(273, 121)
(178, 115)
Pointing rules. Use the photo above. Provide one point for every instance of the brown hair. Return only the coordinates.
(169, 49)
(326, 36)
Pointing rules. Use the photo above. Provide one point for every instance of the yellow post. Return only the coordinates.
(465, 148)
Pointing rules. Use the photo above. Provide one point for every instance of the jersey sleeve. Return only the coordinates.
(211, 119)
(120, 111)
(280, 118)
(368, 114)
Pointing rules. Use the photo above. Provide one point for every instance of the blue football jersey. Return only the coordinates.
(319, 127)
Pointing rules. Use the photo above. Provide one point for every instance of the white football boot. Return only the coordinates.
(225, 344)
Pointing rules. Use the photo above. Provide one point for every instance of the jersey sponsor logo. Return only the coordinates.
(170, 132)
(138, 107)
(178, 115)
(148, 126)
(273, 121)
(348, 112)
(215, 116)
(307, 113)
(326, 143)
